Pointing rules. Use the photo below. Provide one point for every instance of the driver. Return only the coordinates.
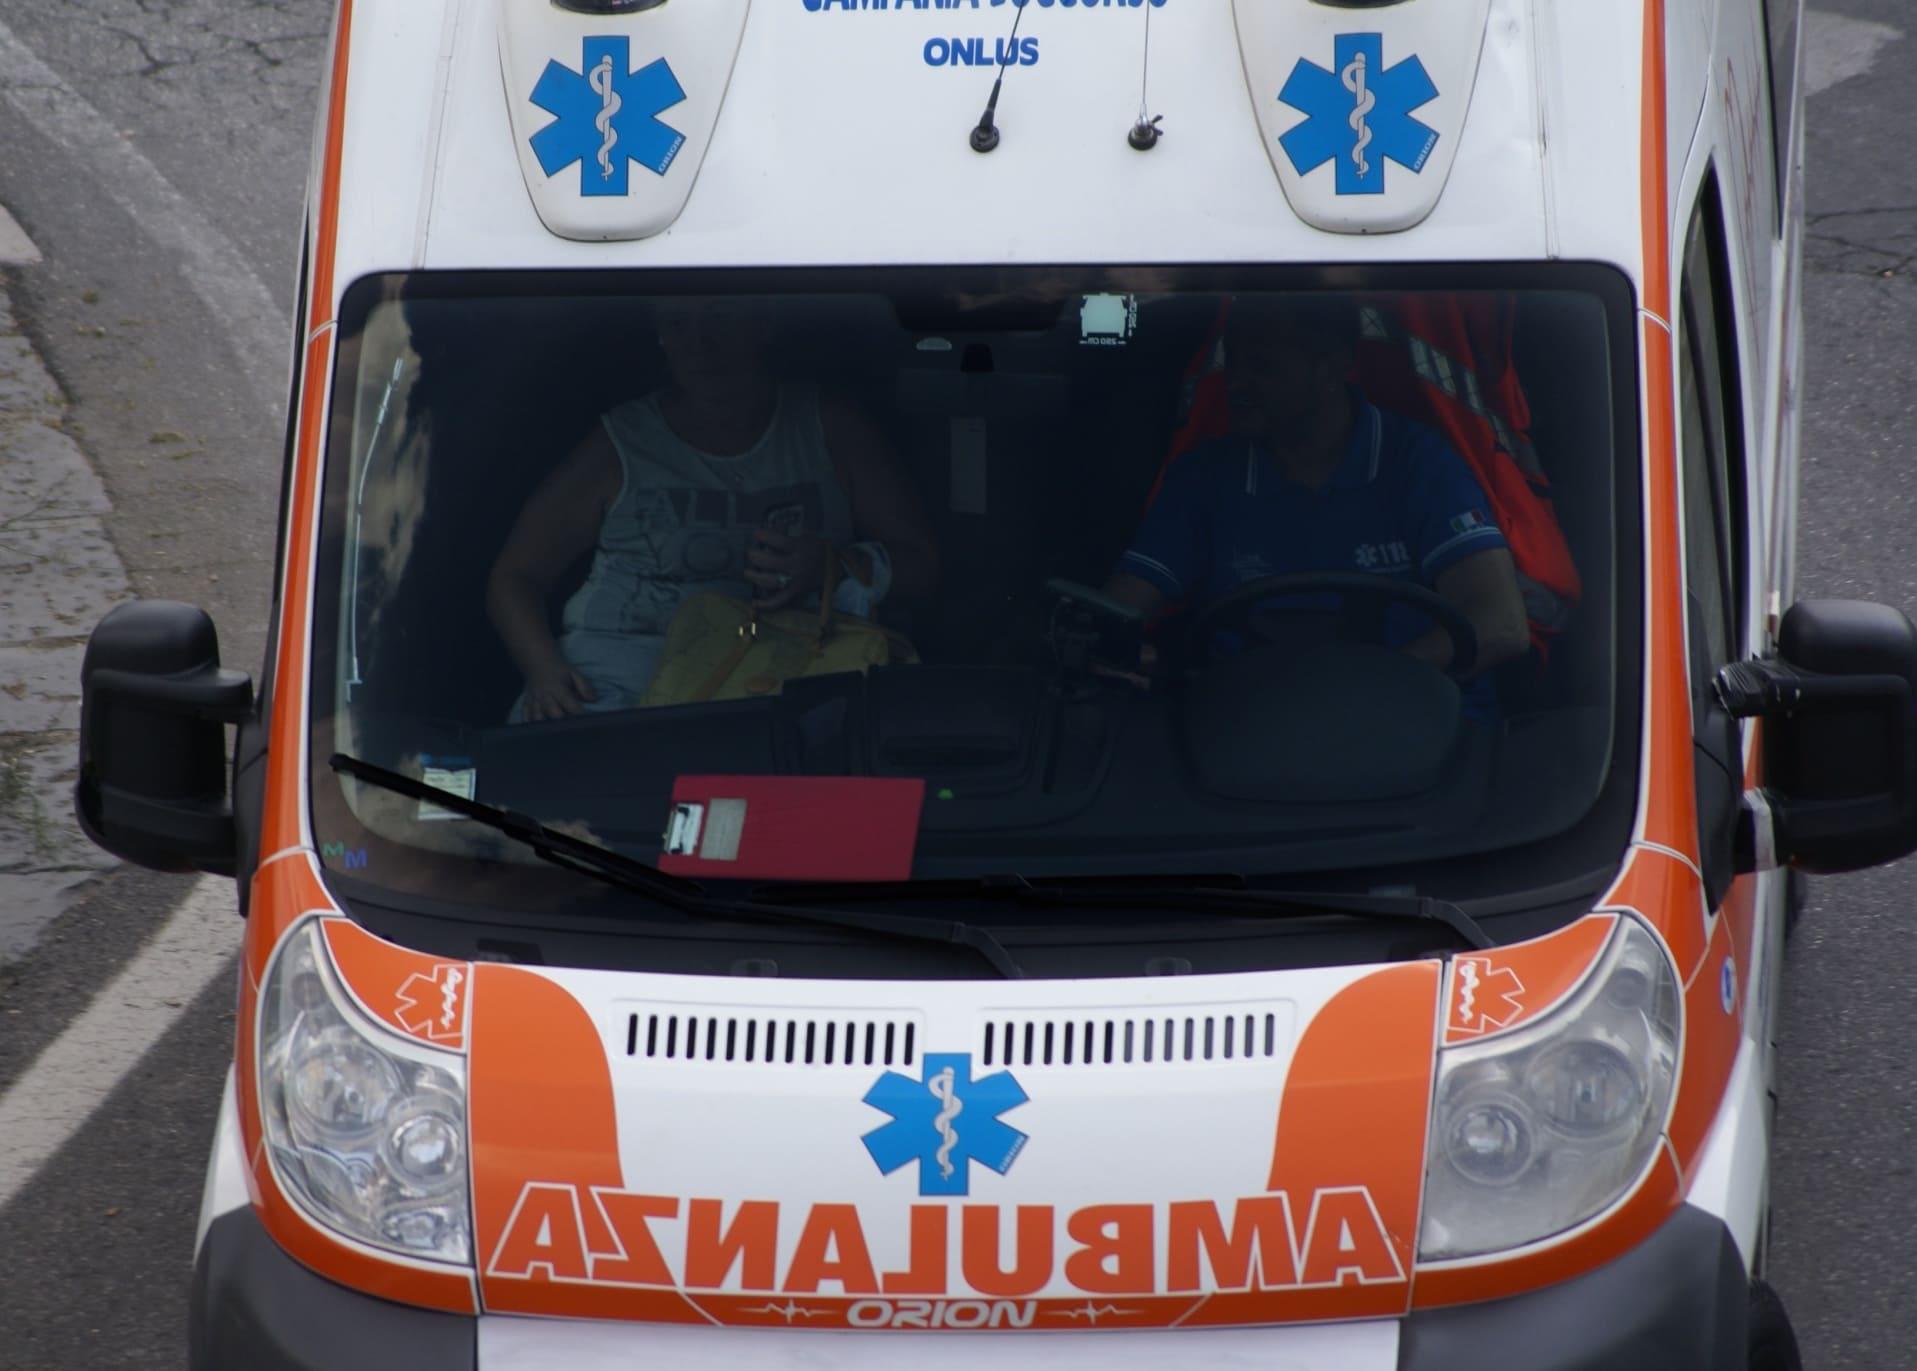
(1313, 478)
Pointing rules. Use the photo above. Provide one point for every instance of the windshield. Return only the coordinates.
(1314, 579)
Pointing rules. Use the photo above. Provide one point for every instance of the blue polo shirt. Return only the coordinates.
(1402, 503)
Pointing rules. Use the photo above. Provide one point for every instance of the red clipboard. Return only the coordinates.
(793, 828)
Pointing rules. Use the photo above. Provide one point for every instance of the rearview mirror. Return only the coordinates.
(1840, 740)
(154, 706)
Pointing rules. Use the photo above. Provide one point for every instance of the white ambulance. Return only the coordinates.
(1074, 683)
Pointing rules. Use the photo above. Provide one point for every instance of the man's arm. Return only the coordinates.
(1137, 593)
(1170, 551)
(1485, 587)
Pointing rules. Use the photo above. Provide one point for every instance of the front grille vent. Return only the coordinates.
(772, 1038)
(1156, 1039)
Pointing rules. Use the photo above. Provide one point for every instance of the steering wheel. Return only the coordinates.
(1236, 612)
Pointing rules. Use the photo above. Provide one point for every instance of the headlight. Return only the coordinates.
(1539, 1129)
(367, 1130)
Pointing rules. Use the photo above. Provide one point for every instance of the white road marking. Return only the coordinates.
(62, 574)
(55, 1097)
(1837, 47)
(213, 266)
(16, 249)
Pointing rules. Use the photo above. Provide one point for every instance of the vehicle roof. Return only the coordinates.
(839, 143)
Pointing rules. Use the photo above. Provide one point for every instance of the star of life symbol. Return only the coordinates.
(1359, 115)
(607, 116)
(427, 1004)
(1487, 997)
(926, 1127)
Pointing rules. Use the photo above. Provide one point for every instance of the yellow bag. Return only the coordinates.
(719, 647)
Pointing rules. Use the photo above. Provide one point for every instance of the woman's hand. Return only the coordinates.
(557, 693)
(782, 568)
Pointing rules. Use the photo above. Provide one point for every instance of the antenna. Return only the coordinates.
(1146, 133)
(985, 135)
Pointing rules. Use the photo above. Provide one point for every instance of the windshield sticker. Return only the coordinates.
(606, 115)
(926, 1123)
(682, 832)
(349, 858)
(710, 832)
(1107, 321)
(1359, 115)
(454, 774)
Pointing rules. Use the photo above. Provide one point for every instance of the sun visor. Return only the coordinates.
(1361, 105)
(612, 113)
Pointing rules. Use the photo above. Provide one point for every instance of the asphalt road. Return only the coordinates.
(174, 404)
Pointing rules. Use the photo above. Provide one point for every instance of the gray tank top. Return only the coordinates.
(684, 518)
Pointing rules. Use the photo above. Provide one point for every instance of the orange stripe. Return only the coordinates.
(1670, 804)
(321, 312)
(1670, 816)
(1712, 1035)
(282, 825)
(1654, 164)
(1670, 812)
(285, 890)
(1669, 895)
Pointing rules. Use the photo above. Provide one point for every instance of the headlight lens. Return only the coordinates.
(1537, 1130)
(367, 1130)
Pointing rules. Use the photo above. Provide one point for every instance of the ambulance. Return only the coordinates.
(1033, 683)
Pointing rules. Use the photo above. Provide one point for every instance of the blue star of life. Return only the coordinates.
(945, 1122)
(1359, 114)
(607, 117)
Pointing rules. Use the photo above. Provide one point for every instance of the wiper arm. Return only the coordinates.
(1155, 892)
(561, 849)
(687, 897)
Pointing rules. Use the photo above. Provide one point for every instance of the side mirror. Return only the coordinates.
(154, 706)
(1840, 738)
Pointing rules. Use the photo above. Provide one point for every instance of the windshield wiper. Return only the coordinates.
(561, 849)
(687, 897)
(1151, 892)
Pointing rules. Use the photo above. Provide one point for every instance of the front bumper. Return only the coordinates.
(1677, 1302)
(256, 1309)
